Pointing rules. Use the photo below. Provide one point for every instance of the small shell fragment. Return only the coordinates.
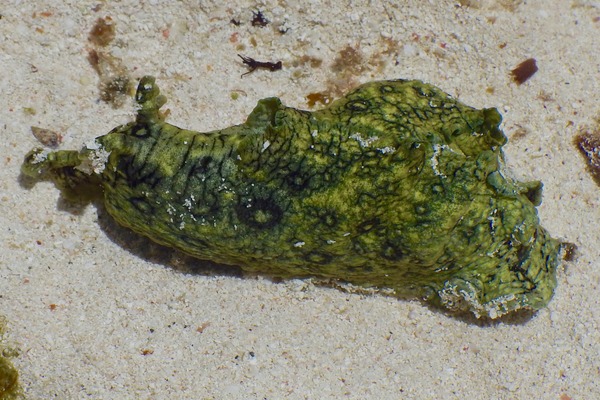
(588, 143)
(47, 137)
(524, 71)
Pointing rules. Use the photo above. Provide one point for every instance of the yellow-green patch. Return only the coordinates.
(9, 376)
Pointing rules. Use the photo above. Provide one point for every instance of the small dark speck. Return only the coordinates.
(259, 19)
(253, 64)
(524, 70)
(569, 250)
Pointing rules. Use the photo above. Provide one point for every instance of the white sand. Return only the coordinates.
(219, 336)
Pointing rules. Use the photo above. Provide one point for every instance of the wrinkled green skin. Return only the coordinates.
(395, 185)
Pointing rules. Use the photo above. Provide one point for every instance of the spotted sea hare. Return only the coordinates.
(395, 185)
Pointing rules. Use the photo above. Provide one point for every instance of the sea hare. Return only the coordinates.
(395, 185)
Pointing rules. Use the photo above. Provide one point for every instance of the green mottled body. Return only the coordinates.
(395, 185)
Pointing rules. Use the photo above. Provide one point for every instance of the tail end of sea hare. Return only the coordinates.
(71, 172)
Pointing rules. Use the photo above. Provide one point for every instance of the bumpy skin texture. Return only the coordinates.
(395, 185)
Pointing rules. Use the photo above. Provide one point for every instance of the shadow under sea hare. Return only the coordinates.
(395, 185)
